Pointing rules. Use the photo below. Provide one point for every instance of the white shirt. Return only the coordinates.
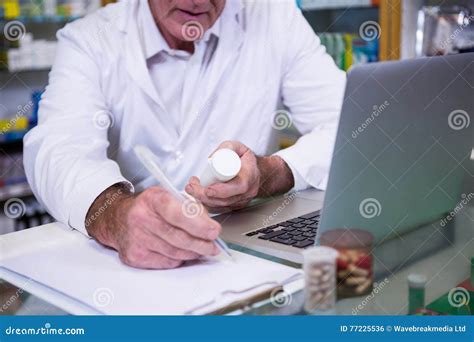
(176, 73)
(266, 54)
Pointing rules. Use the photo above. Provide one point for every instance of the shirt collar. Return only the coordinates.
(153, 39)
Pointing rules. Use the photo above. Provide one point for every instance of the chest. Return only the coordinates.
(236, 97)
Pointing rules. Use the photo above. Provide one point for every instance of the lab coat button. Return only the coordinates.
(178, 156)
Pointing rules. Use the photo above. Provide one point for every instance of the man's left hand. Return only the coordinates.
(258, 176)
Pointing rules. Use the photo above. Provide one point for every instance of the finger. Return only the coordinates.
(235, 146)
(179, 238)
(158, 245)
(149, 260)
(237, 186)
(198, 192)
(195, 189)
(230, 208)
(189, 215)
(202, 194)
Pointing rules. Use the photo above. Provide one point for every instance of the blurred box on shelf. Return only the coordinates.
(329, 4)
(13, 128)
(31, 54)
(13, 9)
(349, 49)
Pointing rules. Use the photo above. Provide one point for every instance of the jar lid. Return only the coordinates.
(347, 238)
(226, 163)
(320, 253)
(417, 280)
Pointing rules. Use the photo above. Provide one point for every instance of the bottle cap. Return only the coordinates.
(226, 164)
(417, 280)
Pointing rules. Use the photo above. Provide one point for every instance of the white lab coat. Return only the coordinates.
(266, 55)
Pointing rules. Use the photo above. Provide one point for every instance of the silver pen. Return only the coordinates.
(150, 161)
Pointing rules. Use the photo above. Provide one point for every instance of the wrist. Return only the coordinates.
(276, 176)
(102, 220)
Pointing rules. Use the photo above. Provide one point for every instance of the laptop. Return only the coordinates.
(401, 159)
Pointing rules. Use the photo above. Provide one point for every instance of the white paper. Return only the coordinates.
(94, 275)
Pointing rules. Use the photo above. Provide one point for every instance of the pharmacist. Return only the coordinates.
(182, 77)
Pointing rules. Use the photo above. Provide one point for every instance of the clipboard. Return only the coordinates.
(106, 283)
(244, 304)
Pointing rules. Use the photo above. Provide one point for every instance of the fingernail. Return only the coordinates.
(211, 193)
(189, 188)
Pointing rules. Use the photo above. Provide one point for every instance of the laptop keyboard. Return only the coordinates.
(299, 232)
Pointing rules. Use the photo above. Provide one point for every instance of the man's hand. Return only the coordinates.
(151, 230)
(259, 176)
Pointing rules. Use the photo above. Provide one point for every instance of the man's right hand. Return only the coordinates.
(151, 230)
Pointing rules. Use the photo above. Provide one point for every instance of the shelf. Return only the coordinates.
(39, 20)
(25, 71)
(11, 146)
(318, 5)
(15, 191)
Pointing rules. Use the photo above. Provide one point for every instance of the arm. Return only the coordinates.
(312, 88)
(65, 156)
(68, 169)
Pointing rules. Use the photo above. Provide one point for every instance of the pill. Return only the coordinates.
(343, 274)
(326, 277)
(355, 280)
(365, 262)
(342, 264)
(343, 257)
(358, 271)
(316, 273)
(327, 268)
(363, 287)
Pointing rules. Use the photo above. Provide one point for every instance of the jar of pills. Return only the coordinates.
(319, 267)
(354, 264)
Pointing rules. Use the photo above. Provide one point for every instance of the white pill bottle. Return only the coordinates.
(222, 166)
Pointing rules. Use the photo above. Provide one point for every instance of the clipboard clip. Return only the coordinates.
(271, 289)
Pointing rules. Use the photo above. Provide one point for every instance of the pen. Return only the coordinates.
(150, 161)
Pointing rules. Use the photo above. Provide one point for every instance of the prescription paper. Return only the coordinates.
(93, 275)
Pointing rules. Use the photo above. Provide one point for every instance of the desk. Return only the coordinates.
(445, 269)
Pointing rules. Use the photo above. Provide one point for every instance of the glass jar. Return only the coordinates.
(355, 276)
(319, 267)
